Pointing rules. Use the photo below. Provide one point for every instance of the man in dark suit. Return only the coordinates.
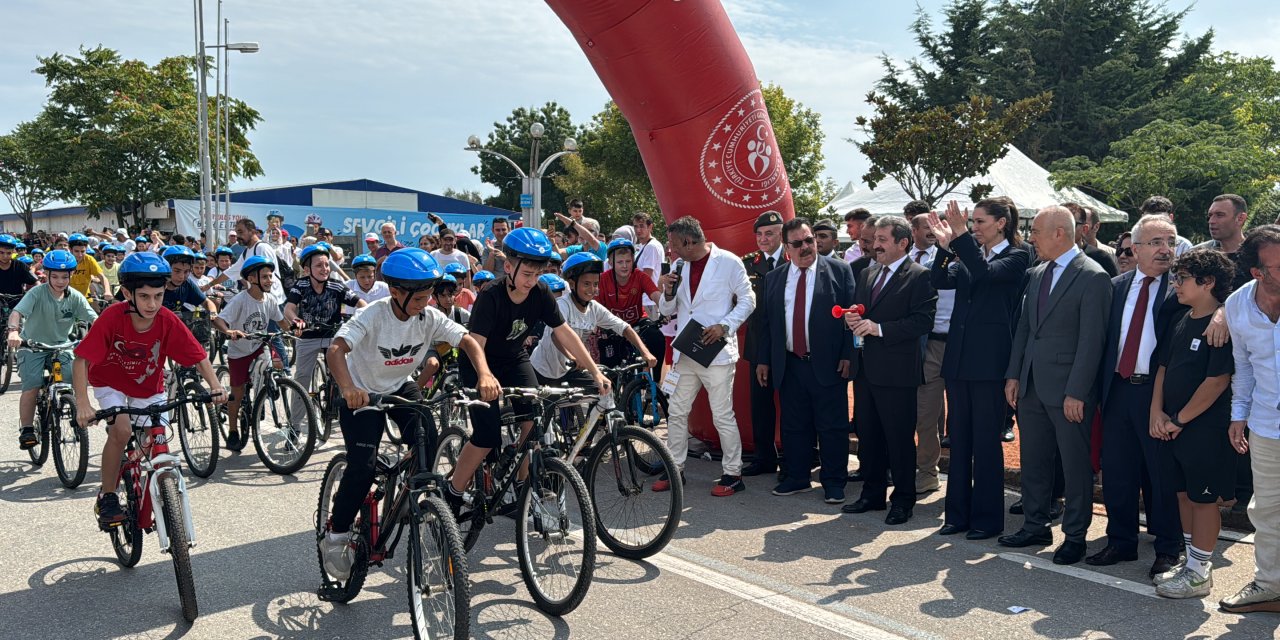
(764, 412)
(1052, 381)
(807, 352)
(899, 312)
(1143, 303)
(1086, 225)
(866, 242)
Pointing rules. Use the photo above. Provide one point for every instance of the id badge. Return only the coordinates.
(670, 381)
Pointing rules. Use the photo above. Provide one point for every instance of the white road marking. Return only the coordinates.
(1139, 588)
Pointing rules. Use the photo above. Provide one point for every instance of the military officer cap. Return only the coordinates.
(824, 225)
(768, 218)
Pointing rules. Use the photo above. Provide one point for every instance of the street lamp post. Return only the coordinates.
(531, 181)
(206, 188)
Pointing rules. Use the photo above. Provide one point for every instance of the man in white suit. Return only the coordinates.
(709, 285)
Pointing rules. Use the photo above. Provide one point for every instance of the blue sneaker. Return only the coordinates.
(792, 487)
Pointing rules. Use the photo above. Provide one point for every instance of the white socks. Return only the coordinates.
(1198, 560)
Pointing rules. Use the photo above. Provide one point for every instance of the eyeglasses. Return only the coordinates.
(796, 244)
(1160, 243)
(1179, 278)
(1127, 252)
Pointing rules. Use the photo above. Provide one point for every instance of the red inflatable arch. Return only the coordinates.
(679, 73)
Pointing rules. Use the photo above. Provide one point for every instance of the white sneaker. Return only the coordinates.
(1161, 578)
(1188, 584)
(337, 556)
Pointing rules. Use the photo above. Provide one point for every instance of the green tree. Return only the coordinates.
(611, 177)
(929, 153)
(1190, 163)
(1106, 62)
(468, 195)
(126, 130)
(22, 177)
(512, 139)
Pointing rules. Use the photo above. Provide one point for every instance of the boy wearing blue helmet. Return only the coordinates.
(249, 311)
(88, 271)
(15, 277)
(111, 257)
(366, 284)
(378, 351)
(123, 357)
(50, 312)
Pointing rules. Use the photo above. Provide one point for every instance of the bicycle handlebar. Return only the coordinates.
(40, 346)
(153, 410)
(382, 402)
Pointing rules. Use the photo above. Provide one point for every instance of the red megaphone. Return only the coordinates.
(839, 311)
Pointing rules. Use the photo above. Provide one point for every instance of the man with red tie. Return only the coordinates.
(900, 305)
(1142, 304)
(807, 353)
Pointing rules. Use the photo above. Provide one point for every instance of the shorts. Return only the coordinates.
(1205, 463)
(109, 398)
(239, 367)
(486, 424)
(31, 366)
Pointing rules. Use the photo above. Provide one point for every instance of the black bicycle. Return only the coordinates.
(404, 497)
(198, 424)
(281, 416)
(8, 360)
(555, 525)
(56, 419)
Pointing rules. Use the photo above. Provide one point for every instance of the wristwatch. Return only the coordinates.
(725, 327)
(1174, 419)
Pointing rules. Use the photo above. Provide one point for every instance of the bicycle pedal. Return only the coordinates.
(107, 527)
(331, 592)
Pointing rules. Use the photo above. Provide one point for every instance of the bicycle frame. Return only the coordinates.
(147, 459)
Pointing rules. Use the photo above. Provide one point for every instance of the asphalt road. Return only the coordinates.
(748, 566)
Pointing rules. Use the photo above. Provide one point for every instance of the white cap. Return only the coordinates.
(370, 236)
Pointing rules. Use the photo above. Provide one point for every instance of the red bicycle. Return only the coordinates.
(150, 476)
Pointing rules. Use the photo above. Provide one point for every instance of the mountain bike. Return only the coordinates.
(55, 419)
(405, 496)
(643, 403)
(149, 476)
(198, 428)
(446, 381)
(8, 359)
(323, 391)
(619, 462)
(555, 529)
(281, 416)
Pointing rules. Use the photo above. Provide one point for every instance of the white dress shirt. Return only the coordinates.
(995, 251)
(789, 300)
(853, 252)
(1062, 262)
(925, 259)
(1255, 343)
(944, 308)
(1147, 343)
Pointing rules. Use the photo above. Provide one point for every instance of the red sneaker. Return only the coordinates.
(728, 486)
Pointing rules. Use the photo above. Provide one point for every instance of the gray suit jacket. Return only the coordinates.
(1062, 353)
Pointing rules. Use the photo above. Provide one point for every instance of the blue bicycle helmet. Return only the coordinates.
(112, 248)
(554, 282)
(201, 256)
(365, 260)
(19, 245)
(224, 251)
(529, 244)
(144, 268)
(556, 257)
(410, 270)
(482, 276)
(59, 260)
(141, 239)
(78, 239)
(91, 252)
(37, 251)
(455, 269)
(103, 245)
(314, 250)
(620, 243)
(179, 253)
(580, 264)
(27, 260)
(7, 240)
(255, 264)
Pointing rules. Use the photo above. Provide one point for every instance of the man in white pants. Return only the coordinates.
(1253, 316)
(709, 285)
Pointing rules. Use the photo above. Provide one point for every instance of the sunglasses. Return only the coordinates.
(1128, 252)
(796, 244)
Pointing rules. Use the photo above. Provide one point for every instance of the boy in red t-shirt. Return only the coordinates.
(123, 357)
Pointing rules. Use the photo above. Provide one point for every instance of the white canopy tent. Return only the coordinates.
(1015, 176)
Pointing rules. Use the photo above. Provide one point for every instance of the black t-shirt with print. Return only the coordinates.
(505, 324)
(1188, 360)
(323, 308)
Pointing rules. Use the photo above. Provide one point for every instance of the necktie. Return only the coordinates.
(1046, 284)
(799, 343)
(768, 264)
(875, 291)
(1133, 339)
(920, 256)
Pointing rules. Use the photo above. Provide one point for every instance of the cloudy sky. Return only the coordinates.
(390, 90)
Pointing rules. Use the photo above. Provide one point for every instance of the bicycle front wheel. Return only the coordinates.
(556, 537)
(642, 405)
(126, 539)
(71, 444)
(10, 362)
(198, 432)
(284, 426)
(633, 521)
(224, 378)
(436, 574)
(176, 527)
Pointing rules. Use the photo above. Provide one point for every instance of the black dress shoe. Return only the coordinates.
(1059, 507)
(1007, 436)
(951, 529)
(863, 505)
(1016, 508)
(855, 476)
(1163, 563)
(1111, 555)
(898, 515)
(979, 534)
(1069, 553)
(758, 469)
(945, 442)
(1024, 538)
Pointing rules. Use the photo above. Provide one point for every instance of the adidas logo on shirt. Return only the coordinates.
(396, 356)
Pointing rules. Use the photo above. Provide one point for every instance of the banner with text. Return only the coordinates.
(410, 225)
